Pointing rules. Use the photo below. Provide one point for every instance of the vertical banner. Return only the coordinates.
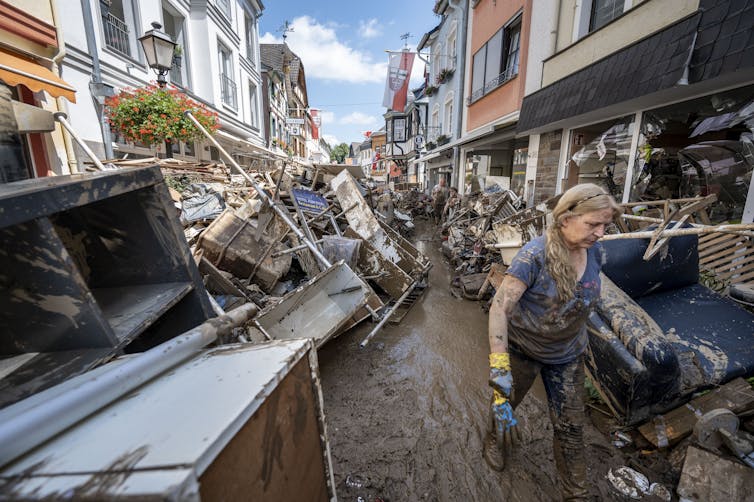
(398, 75)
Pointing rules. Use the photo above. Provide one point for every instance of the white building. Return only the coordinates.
(219, 67)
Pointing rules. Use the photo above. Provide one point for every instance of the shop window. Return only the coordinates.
(698, 148)
(600, 154)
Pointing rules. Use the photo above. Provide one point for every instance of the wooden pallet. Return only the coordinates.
(729, 256)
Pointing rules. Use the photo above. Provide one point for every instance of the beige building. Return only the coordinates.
(32, 144)
(649, 98)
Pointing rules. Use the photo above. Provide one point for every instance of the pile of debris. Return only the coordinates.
(315, 262)
(486, 223)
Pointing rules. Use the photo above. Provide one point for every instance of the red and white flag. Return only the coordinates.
(398, 75)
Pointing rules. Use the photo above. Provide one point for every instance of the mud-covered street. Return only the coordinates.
(405, 415)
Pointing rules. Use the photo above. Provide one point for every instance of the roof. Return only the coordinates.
(718, 37)
(276, 56)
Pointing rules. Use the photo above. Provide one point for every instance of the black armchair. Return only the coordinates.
(658, 335)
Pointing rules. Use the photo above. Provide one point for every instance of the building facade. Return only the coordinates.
(651, 99)
(31, 90)
(217, 62)
(443, 92)
(496, 65)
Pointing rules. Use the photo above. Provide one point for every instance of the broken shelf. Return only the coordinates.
(132, 309)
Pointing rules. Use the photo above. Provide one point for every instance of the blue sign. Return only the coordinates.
(310, 202)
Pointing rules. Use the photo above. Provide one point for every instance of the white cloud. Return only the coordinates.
(331, 139)
(369, 28)
(327, 118)
(326, 57)
(269, 38)
(359, 118)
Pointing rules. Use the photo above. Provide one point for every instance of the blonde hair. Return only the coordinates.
(578, 200)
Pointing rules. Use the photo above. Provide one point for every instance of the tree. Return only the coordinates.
(340, 152)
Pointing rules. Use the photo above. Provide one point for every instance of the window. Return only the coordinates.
(497, 61)
(119, 26)
(452, 43)
(175, 25)
(225, 8)
(253, 105)
(448, 115)
(604, 11)
(513, 45)
(251, 33)
(227, 84)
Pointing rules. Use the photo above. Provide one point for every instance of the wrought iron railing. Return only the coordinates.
(116, 34)
(227, 90)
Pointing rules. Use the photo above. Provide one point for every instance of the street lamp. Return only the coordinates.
(159, 48)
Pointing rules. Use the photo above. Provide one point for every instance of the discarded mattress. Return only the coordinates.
(659, 335)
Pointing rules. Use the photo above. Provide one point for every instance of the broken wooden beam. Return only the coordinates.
(736, 395)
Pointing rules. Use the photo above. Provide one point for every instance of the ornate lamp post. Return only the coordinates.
(158, 48)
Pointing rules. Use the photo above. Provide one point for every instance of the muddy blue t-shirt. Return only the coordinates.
(540, 326)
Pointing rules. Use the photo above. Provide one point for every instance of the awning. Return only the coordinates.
(17, 70)
(248, 146)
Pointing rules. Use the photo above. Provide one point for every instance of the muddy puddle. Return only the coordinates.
(406, 414)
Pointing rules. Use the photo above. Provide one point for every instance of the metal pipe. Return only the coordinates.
(91, 45)
(293, 249)
(388, 314)
(61, 117)
(283, 214)
(22, 431)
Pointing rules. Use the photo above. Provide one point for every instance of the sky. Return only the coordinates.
(342, 45)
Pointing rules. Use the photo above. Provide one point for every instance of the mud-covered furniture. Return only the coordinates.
(658, 334)
(91, 265)
(237, 422)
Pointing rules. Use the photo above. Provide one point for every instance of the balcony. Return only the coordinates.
(116, 34)
(228, 91)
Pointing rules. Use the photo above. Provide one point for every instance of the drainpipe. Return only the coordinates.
(463, 6)
(62, 103)
(91, 45)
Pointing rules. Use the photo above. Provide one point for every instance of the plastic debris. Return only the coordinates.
(621, 439)
(353, 481)
(660, 491)
(629, 482)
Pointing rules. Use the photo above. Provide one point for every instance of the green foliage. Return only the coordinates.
(152, 114)
(340, 152)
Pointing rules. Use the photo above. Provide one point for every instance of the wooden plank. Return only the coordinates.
(737, 253)
(716, 251)
(710, 478)
(714, 239)
(737, 396)
(738, 268)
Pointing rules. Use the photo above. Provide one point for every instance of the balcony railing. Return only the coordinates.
(493, 84)
(227, 90)
(116, 34)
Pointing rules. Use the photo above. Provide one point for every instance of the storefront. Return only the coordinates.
(692, 148)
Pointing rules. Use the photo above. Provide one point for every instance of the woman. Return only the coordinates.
(542, 308)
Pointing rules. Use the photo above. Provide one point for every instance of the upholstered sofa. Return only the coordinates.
(658, 335)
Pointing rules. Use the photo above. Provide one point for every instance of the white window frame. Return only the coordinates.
(448, 115)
